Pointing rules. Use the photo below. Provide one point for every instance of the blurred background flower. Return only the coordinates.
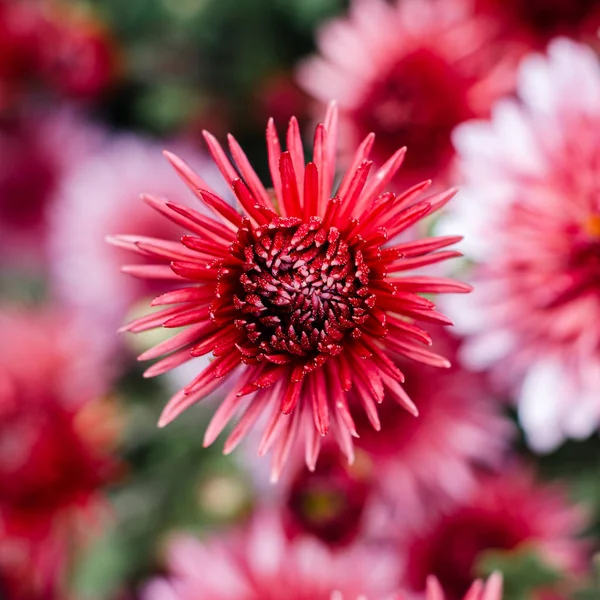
(409, 71)
(500, 471)
(531, 210)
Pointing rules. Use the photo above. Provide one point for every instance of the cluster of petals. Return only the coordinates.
(509, 511)
(530, 213)
(490, 590)
(410, 71)
(55, 446)
(332, 503)
(301, 297)
(261, 563)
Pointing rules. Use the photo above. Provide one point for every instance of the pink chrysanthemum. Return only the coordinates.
(531, 212)
(409, 71)
(506, 512)
(30, 173)
(260, 563)
(100, 196)
(301, 297)
(54, 445)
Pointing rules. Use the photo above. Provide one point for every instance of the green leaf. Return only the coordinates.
(523, 569)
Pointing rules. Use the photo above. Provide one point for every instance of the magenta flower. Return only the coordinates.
(329, 502)
(261, 563)
(55, 448)
(506, 512)
(301, 297)
(409, 71)
(531, 215)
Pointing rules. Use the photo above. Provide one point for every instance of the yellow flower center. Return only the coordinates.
(592, 226)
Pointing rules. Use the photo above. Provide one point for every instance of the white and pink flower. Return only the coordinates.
(261, 563)
(531, 214)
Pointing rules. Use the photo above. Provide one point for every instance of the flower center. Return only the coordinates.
(592, 226)
(582, 269)
(302, 290)
(329, 502)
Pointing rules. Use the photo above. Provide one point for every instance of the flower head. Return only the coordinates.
(79, 54)
(62, 46)
(260, 563)
(409, 71)
(330, 501)
(302, 295)
(54, 443)
(506, 512)
(531, 212)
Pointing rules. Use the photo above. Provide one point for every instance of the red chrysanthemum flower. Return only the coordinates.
(409, 71)
(54, 446)
(329, 502)
(68, 49)
(79, 56)
(20, 48)
(299, 298)
(506, 512)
